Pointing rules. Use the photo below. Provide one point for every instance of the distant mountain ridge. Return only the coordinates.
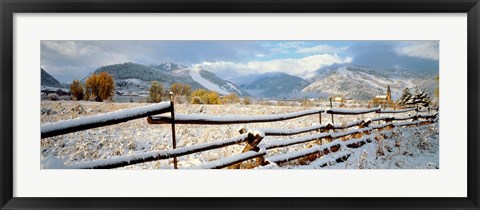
(168, 66)
(352, 81)
(48, 80)
(362, 82)
(223, 84)
(274, 85)
(137, 78)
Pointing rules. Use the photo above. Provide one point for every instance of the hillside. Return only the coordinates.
(225, 86)
(134, 78)
(168, 66)
(276, 85)
(362, 82)
(49, 81)
(136, 71)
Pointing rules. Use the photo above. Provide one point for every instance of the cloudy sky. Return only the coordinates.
(69, 60)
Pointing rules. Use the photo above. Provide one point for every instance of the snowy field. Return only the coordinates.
(404, 148)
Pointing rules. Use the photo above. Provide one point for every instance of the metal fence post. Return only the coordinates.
(173, 129)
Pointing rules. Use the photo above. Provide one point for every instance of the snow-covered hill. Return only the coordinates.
(356, 82)
(168, 66)
(134, 78)
(361, 82)
(210, 81)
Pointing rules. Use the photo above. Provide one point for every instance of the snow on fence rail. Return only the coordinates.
(351, 111)
(286, 132)
(215, 120)
(160, 155)
(253, 149)
(397, 111)
(247, 155)
(84, 123)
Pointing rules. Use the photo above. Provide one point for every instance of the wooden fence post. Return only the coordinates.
(252, 143)
(320, 117)
(331, 106)
(174, 141)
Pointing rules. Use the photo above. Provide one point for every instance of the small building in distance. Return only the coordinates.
(383, 100)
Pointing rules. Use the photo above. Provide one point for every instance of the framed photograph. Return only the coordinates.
(239, 105)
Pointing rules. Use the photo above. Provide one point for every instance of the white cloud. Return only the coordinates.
(322, 49)
(285, 47)
(69, 48)
(303, 67)
(294, 44)
(420, 49)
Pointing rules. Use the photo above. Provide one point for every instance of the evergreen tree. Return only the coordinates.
(406, 95)
(409, 100)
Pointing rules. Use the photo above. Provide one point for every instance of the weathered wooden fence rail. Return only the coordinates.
(111, 118)
(223, 120)
(254, 148)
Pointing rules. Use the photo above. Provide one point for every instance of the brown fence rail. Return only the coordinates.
(100, 120)
(254, 148)
(223, 120)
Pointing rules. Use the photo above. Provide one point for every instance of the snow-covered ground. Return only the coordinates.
(412, 147)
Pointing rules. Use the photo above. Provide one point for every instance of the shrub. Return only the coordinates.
(76, 89)
(156, 91)
(197, 100)
(231, 98)
(179, 89)
(247, 100)
(53, 97)
(306, 102)
(99, 87)
(205, 96)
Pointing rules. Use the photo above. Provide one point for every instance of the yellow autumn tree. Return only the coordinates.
(76, 89)
(179, 89)
(156, 91)
(205, 96)
(231, 98)
(99, 87)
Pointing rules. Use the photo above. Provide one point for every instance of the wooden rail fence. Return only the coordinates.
(255, 148)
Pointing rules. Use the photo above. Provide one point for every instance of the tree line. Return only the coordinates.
(183, 93)
(97, 87)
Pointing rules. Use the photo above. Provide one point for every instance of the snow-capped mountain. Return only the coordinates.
(357, 82)
(137, 78)
(361, 82)
(210, 81)
(169, 66)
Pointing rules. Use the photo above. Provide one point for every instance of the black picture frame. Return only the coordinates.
(10, 7)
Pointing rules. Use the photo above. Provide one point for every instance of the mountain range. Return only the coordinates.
(48, 81)
(363, 82)
(137, 78)
(356, 82)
